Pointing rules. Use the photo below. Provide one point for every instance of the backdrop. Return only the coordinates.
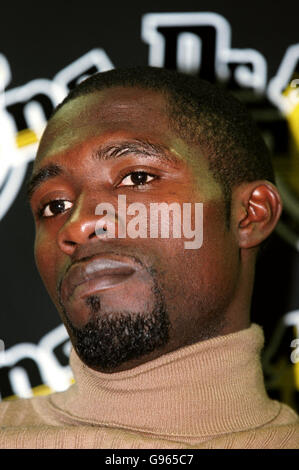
(252, 49)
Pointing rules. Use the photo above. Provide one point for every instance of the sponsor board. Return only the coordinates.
(197, 43)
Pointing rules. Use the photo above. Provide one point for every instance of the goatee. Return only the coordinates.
(109, 340)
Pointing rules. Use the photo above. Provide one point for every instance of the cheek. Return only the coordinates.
(216, 265)
(46, 261)
(212, 268)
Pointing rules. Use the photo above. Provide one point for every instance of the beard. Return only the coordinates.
(109, 340)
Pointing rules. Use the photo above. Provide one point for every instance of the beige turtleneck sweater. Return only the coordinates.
(207, 395)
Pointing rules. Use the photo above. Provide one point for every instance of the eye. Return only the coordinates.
(54, 208)
(137, 178)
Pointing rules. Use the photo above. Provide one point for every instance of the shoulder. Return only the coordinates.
(287, 415)
(280, 433)
(283, 436)
(21, 412)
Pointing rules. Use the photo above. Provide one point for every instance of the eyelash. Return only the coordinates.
(126, 175)
(41, 210)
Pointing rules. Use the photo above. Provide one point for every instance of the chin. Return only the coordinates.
(108, 340)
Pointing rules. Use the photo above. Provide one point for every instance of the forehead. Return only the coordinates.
(133, 112)
(88, 124)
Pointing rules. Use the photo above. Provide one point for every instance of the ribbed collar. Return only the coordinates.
(209, 388)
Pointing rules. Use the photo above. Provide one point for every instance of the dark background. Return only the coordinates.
(38, 40)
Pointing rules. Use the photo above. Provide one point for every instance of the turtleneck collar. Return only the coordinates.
(209, 388)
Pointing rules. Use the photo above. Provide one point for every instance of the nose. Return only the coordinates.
(80, 228)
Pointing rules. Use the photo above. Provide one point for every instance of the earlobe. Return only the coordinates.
(262, 207)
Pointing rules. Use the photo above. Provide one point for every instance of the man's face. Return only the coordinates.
(128, 300)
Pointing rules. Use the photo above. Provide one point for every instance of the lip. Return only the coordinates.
(99, 273)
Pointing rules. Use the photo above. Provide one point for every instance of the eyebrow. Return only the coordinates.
(44, 174)
(103, 153)
(140, 147)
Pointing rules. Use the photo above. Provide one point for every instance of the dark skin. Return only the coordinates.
(207, 291)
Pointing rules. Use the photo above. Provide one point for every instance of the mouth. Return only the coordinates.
(99, 273)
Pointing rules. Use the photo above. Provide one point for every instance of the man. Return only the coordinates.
(164, 353)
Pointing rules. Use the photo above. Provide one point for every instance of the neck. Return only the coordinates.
(238, 314)
(211, 387)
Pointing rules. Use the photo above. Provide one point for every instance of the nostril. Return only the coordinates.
(67, 246)
(77, 232)
(93, 235)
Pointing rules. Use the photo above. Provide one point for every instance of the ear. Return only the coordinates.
(257, 207)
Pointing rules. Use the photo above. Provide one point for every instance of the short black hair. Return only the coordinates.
(201, 113)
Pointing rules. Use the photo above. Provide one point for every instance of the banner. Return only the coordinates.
(34, 345)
